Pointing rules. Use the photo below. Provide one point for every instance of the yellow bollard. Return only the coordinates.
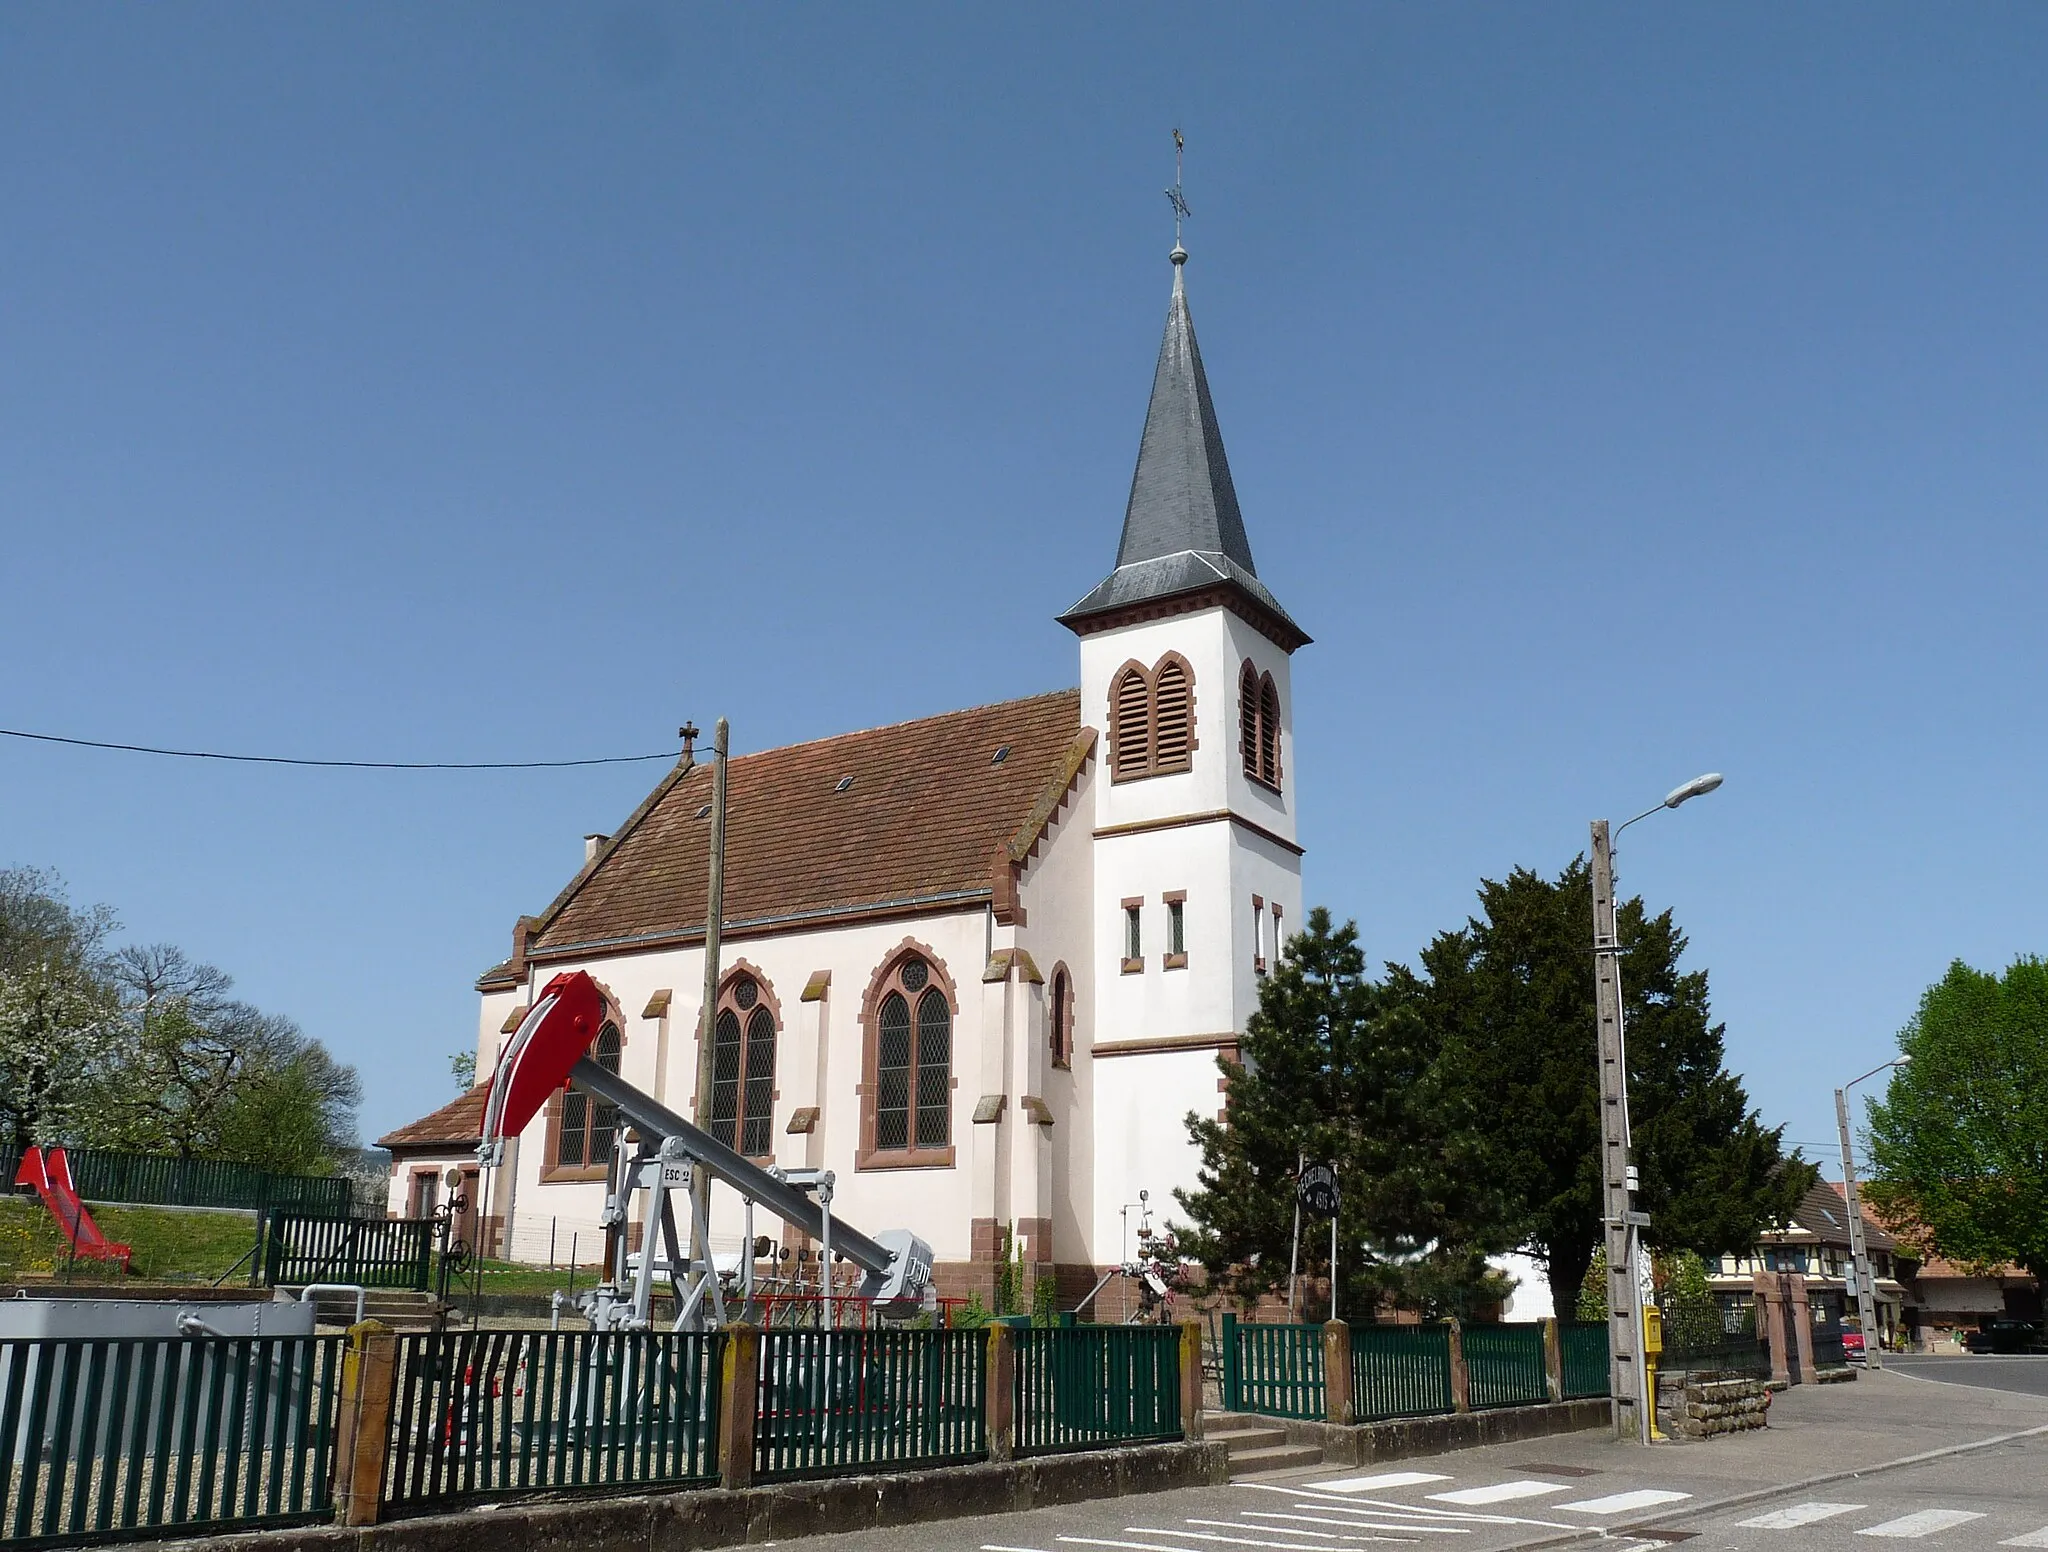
(1653, 1344)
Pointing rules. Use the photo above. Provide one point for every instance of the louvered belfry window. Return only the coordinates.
(913, 1062)
(1130, 735)
(743, 1070)
(1258, 725)
(1269, 731)
(1173, 717)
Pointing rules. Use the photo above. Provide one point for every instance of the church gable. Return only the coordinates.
(928, 804)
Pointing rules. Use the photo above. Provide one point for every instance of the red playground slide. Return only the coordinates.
(50, 1173)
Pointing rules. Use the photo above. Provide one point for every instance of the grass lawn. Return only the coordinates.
(502, 1278)
(171, 1244)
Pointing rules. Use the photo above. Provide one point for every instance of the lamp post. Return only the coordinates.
(1866, 1296)
(1626, 1382)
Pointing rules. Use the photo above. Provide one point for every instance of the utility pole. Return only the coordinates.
(714, 912)
(1620, 1220)
(1866, 1294)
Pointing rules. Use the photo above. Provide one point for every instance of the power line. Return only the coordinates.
(352, 765)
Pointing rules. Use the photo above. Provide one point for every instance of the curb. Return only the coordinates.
(1760, 1494)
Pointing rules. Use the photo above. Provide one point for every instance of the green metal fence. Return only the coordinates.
(1506, 1365)
(376, 1252)
(1737, 1354)
(1079, 1386)
(483, 1414)
(111, 1439)
(1400, 1371)
(105, 1176)
(1583, 1346)
(834, 1401)
(1276, 1370)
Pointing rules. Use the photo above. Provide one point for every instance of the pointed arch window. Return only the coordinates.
(1130, 723)
(1258, 725)
(908, 1089)
(743, 1069)
(1173, 715)
(581, 1127)
(1152, 719)
(1060, 1017)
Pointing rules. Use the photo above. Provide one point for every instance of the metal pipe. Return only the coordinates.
(306, 1294)
(742, 1174)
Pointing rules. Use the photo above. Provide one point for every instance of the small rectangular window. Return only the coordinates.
(1176, 928)
(1134, 938)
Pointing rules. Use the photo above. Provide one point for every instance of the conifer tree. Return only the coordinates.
(1511, 999)
(1342, 1069)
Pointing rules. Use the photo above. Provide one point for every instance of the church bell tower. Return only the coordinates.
(1197, 872)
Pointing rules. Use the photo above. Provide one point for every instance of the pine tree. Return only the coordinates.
(1336, 1067)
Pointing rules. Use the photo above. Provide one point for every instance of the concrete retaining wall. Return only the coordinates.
(717, 1517)
(1364, 1444)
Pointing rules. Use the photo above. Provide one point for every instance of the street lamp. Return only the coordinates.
(1866, 1296)
(1623, 1224)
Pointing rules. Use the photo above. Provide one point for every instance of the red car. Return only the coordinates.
(1852, 1345)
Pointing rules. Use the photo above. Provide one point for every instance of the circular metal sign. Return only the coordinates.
(1318, 1190)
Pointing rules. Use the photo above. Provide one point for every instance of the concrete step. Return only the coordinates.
(1239, 1437)
(399, 1308)
(1270, 1459)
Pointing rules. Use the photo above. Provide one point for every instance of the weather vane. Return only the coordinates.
(1180, 206)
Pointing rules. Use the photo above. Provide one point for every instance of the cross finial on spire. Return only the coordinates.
(1180, 206)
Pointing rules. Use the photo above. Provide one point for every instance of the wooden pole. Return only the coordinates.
(369, 1375)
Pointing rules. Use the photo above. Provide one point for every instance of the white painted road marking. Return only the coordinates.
(1416, 1526)
(1796, 1516)
(1202, 1535)
(1909, 1527)
(2033, 1538)
(1384, 1480)
(1337, 1504)
(1500, 1492)
(1624, 1503)
(1283, 1530)
(1123, 1546)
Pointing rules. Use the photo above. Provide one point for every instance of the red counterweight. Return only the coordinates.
(536, 1060)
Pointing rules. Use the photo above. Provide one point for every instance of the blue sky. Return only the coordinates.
(1615, 393)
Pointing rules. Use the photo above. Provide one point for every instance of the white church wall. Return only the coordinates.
(1058, 900)
(1204, 640)
(1253, 799)
(1141, 1139)
(1264, 870)
(933, 1202)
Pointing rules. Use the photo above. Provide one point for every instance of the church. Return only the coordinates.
(979, 965)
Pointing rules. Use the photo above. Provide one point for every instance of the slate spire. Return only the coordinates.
(1183, 532)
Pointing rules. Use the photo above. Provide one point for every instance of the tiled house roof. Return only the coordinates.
(918, 826)
(456, 1123)
(1824, 1213)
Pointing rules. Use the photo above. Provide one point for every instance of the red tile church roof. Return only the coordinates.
(460, 1121)
(917, 827)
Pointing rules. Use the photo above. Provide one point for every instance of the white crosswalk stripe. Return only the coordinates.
(1500, 1492)
(2033, 1538)
(1385, 1479)
(1312, 1537)
(1414, 1526)
(1796, 1516)
(1626, 1503)
(1910, 1527)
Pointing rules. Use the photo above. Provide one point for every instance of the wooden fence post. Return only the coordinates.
(1461, 1376)
(999, 1397)
(1553, 1359)
(1337, 1403)
(369, 1376)
(739, 1388)
(1191, 1379)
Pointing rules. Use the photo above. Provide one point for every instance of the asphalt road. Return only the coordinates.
(2028, 1376)
(1988, 1498)
(1577, 1488)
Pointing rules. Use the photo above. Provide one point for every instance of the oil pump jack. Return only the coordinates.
(657, 1152)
